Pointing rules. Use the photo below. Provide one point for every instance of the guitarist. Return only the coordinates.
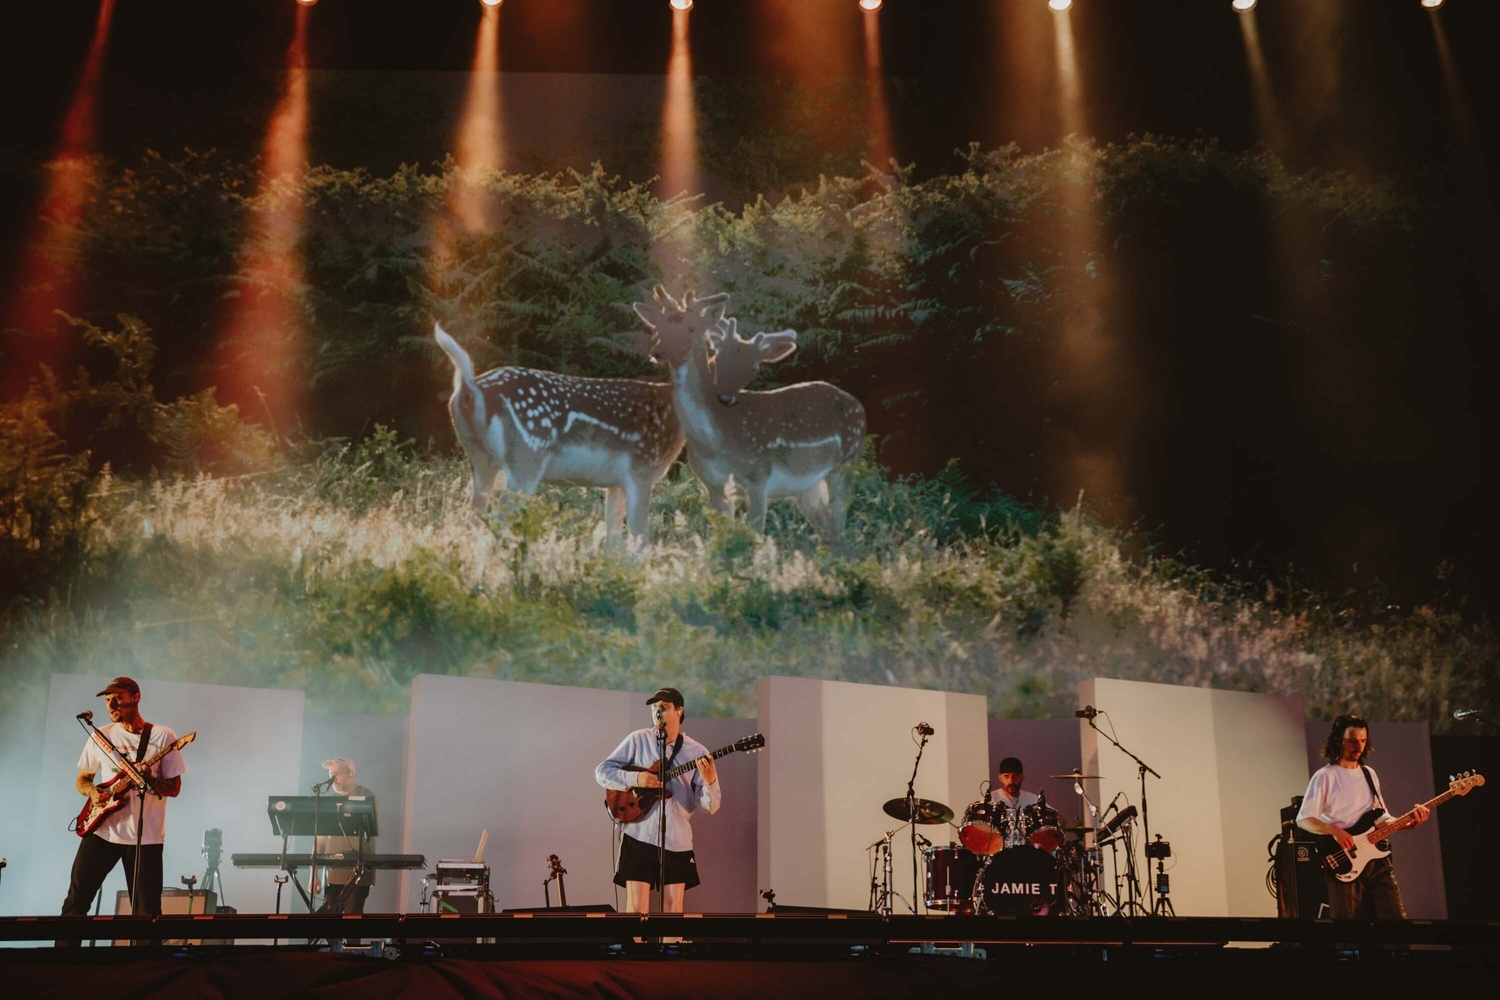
(115, 838)
(1337, 796)
(637, 870)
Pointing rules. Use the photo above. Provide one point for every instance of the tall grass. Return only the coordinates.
(354, 568)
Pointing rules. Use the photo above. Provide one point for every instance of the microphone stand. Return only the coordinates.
(661, 804)
(911, 815)
(1484, 718)
(1143, 769)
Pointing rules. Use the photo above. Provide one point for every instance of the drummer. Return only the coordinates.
(1008, 793)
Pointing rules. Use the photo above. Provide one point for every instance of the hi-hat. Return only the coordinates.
(928, 811)
(1078, 777)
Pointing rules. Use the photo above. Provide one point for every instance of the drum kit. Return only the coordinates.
(1008, 861)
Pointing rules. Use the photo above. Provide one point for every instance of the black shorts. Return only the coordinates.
(639, 863)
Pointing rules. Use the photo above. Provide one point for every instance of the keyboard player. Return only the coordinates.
(342, 896)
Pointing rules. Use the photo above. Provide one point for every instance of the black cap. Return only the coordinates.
(1011, 765)
(120, 685)
(666, 694)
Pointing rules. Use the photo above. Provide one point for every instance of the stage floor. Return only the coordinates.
(740, 955)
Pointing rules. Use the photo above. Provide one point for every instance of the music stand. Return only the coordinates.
(332, 815)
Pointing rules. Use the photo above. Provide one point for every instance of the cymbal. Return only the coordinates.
(1078, 777)
(929, 811)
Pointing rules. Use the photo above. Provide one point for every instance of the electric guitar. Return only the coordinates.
(1345, 865)
(92, 815)
(631, 804)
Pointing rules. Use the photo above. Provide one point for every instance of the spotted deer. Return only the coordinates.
(791, 441)
(615, 434)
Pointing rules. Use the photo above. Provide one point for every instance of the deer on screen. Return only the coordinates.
(615, 434)
(791, 441)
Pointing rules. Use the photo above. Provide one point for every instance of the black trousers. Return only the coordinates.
(95, 859)
(344, 898)
(1373, 896)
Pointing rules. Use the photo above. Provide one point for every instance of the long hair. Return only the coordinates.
(1333, 744)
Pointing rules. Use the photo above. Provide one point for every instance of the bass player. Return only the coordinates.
(638, 866)
(1338, 795)
(115, 838)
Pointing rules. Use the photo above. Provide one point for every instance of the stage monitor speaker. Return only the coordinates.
(175, 901)
(1301, 889)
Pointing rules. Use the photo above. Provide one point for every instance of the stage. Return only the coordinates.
(569, 954)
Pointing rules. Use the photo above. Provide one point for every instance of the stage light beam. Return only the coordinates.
(478, 144)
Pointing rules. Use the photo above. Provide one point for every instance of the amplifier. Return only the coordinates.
(462, 873)
(1289, 828)
(451, 900)
(1301, 886)
(176, 901)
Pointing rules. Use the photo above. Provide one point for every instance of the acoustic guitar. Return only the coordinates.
(631, 804)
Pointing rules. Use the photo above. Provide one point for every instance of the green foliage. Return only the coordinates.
(350, 570)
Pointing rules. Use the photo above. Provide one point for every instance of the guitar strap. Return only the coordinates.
(676, 749)
(140, 749)
(1376, 802)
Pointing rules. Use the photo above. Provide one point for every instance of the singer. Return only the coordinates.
(629, 767)
(343, 897)
(130, 834)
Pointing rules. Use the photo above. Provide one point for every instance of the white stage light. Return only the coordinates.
(1242, 5)
(1059, 4)
(1432, 4)
(681, 4)
(307, 3)
(492, 3)
(870, 4)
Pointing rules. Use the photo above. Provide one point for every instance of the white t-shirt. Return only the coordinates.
(997, 795)
(1340, 795)
(119, 826)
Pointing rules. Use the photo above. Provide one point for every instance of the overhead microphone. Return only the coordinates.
(925, 729)
(1087, 712)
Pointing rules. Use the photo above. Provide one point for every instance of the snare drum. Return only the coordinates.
(979, 832)
(1021, 882)
(951, 872)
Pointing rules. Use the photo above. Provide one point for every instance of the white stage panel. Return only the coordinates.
(1229, 761)
(518, 759)
(837, 751)
(247, 750)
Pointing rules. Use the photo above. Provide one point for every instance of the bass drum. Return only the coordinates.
(1022, 882)
(951, 872)
(979, 831)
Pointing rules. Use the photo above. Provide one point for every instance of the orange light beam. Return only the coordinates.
(878, 112)
(1267, 110)
(679, 122)
(479, 146)
(261, 346)
(1067, 72)
(38, 289)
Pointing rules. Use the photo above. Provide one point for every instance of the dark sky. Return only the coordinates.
(1359, 85)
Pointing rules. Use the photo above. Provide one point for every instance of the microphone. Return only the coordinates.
(323, 784)
(1114, 803)
(925, 729)
(1464, 713)
(85, 716)
(1088, 712)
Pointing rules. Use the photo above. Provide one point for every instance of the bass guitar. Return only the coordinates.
(631, 804)
(1345, 865)
(93, 814)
